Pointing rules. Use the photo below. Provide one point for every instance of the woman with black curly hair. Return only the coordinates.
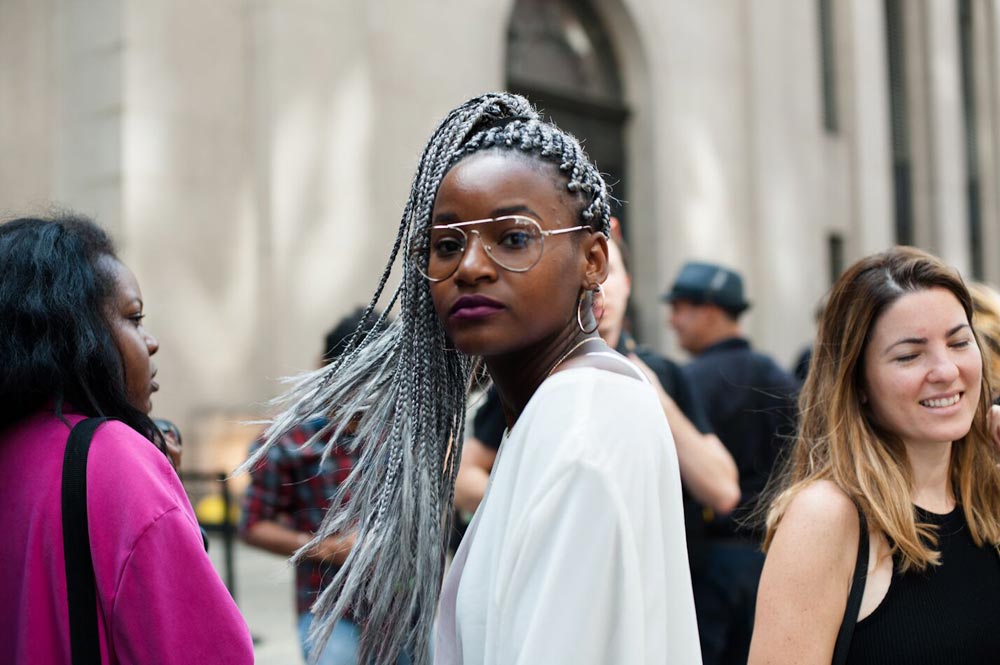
(73, 348)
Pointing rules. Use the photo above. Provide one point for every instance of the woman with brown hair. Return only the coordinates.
(882, 540)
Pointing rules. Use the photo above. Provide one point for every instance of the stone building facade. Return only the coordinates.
(252, 157)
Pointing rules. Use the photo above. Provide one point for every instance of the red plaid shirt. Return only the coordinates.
(289, 486)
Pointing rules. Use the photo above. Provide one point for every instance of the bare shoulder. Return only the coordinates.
(820, 518)
(806, 578)
(822, 501)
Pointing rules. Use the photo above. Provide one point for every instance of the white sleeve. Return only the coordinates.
(572, 592)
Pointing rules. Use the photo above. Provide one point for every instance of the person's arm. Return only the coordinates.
(161, 598)
(267, 498)
(707, 469)
(170, 606)
(280, 539)
(806, 579)
(473, 474)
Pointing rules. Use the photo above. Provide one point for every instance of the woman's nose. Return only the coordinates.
(152, 344)
(944, 368)
(476, 263)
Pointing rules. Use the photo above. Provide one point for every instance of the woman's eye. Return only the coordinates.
(960, 344)
(907, 358)
(447, 246)
(516, 239)
(137, 318)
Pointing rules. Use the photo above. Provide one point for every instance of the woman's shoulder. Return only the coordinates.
(609, 381)
(820, 515)
(598, 417)
(806, 577)
(600, 402)
(114, 438)
(123, 465)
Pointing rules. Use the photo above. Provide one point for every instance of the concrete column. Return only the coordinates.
(866, 126)
(943, 97)
(311, 107)
(986, 28)
(699, 87)
(27, 136)
(88, 56)
(632, 27)
(784, 124)
(188, 209)
(61, 133)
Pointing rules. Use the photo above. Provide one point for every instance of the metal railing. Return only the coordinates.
(201, 484)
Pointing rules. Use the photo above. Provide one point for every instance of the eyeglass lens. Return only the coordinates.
(514, 243)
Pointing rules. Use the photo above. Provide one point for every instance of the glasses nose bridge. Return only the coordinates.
(469, 253)
(475, 233)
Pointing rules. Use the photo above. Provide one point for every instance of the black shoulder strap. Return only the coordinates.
(843, 645)
(80, 588)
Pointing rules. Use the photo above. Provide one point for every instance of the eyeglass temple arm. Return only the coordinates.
(572, 228)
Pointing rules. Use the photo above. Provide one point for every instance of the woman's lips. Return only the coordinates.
(468, 308)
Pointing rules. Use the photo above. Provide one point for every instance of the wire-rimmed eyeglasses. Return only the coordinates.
(515, 243)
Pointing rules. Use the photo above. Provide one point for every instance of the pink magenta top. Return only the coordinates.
(159, 598)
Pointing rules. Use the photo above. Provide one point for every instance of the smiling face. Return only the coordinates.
(135, 344)
(923, 369)
(485, 309)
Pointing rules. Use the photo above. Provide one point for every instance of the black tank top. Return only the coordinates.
(947, 614)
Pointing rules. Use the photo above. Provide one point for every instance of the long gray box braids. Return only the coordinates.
(403, 390)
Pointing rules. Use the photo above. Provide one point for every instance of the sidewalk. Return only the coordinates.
(265, 593)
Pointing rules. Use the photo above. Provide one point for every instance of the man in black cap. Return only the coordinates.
(750, 404)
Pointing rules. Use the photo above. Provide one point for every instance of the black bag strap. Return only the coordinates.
(843, 645)
(80, 588)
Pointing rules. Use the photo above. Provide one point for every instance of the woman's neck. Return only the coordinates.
(931, 468)
(518, 374)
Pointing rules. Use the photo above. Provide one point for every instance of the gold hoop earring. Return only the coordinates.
(598, 290)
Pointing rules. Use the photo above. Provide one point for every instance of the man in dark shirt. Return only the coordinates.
(750, 404)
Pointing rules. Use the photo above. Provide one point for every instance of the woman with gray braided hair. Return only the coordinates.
(576, 554)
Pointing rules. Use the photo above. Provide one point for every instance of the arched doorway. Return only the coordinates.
(560, 56)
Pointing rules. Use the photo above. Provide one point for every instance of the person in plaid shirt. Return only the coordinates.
(288, 496)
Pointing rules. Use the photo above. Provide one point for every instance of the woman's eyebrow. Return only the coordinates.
(956, 329)
(446, 218)
(452, 218)
(514, 210)
(923, 340)
(906, 340)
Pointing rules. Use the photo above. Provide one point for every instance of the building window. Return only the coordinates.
(560, 56)
(966, 46)
(899, 121)
(835, 255)
(828, 71)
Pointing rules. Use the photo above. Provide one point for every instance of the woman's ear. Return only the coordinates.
(595, 247)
